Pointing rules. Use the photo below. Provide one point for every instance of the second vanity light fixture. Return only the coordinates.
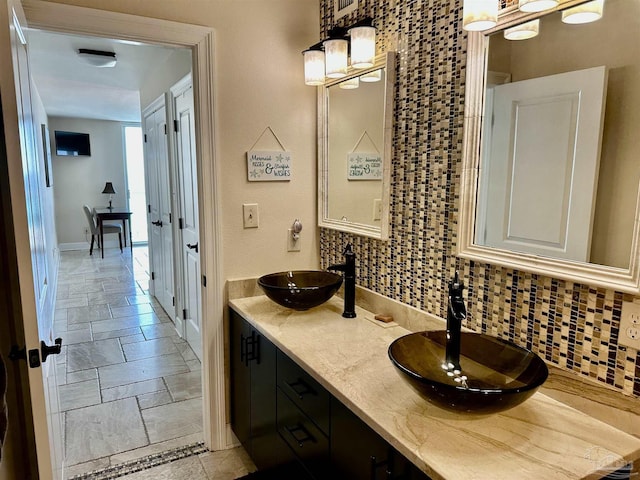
(480, 15)
(329, 58)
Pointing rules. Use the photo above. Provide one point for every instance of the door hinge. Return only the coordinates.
(170, 218)
(173, 301)
(184, 314)
(165, 128)
(180, 223)
(153, 275)
(145, 138)
(149, 208)
(175, 125)
(204, 280)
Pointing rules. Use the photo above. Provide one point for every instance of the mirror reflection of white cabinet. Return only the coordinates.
(354, 150)
(610, 252)
(539, 173)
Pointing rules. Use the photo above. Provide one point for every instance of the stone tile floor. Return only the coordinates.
(129, 385)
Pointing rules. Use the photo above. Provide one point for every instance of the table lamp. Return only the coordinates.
(108, 189)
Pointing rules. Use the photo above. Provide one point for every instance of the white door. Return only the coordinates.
(28, 240)
(159, 205)
(188, 222)
(543, 164)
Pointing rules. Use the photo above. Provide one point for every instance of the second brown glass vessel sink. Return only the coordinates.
(492, 375)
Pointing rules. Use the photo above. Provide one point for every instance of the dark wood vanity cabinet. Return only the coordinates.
(253, 400)
(285, 419)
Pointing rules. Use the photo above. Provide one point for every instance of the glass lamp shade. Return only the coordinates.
(363, 46)
(585, 13)
(313, 67)
(370, 77)
(479, 15)
(350, 84)
(335, 56)
(523, 31)
(536, 5)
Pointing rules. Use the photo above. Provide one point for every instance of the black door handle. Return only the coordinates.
(193, 247)
(47, 350)
(33, 358)
(158, 223)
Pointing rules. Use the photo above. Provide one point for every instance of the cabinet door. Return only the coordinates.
(240, 380)
(267, 447)
(357, 452)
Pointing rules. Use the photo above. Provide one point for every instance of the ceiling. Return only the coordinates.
(70, 87)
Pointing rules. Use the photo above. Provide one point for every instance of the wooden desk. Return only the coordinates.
(115, 213)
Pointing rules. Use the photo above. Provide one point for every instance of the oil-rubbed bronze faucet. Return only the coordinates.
(349, 270)
(456, 313)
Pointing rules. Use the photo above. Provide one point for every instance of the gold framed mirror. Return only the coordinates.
(529, 206)
(355, 116)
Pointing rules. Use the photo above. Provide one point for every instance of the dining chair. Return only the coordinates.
(95, 229)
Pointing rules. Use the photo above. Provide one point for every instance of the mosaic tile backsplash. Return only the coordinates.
(571, 325)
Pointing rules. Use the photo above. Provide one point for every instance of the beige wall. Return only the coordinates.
(161, 79)
(80, 180)
(259, 83)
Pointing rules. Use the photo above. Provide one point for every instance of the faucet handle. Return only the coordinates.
(456, 286)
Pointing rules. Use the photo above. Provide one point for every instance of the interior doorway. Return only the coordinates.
(135, 174)
(55, 17)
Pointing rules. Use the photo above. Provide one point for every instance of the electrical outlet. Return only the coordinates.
(377, 208)
(630, 325)
(250, 215)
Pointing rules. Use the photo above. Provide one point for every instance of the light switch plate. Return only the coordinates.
(377, 208)
(629, 334)
(250, 215)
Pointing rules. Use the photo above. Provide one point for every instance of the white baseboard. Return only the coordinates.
(66, 247)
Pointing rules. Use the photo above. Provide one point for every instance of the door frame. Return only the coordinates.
(87, 21)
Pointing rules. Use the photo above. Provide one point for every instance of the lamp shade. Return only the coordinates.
(363, 46)
(313, 67)
(350, 84)
(523, 31)
(335, 56)
(536, 5)
(584, 13)
(108, 188)
(370, 77)
(479, 15)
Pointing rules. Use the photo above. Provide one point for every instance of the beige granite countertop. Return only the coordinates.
(542, 438)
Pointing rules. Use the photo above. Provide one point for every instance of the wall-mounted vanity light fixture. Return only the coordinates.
(523, 31)
(371, 77)
(584, 13)
(329, 58)
(480, 15)
(536, 5)
(350, 84)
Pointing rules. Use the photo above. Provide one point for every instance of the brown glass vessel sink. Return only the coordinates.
(301, 289)
(493, 374)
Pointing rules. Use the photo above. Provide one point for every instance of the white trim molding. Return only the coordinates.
(86, 21)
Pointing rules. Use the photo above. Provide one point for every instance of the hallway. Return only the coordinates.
(129, 386)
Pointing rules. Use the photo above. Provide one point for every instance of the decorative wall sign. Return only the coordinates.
(268, 165)
(364, 166)
(265, 166)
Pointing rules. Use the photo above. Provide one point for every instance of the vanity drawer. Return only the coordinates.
(304, 438)
(304, 391)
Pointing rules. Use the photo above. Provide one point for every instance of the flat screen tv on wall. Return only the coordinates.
(72, 143)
